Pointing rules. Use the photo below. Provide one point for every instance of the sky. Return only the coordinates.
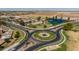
(39, 9)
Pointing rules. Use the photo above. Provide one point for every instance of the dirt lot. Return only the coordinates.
(50, 14)
(73, 41)
(43, 13)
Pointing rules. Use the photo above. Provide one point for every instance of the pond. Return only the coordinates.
(55, 21)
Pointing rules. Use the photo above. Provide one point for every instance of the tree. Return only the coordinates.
(68, 26)
(17, 35)
(7, 40)
(45, 26)
(1, 47)
(22, 22)
(55, 17)
(39, 18)
(30, 22)
(47, 18)
(34, 26)
(2, 22)
(61, 17)
(12, 17)
(68, 18)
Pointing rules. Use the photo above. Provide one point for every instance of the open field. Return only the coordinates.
(43, 14)
(50, 14)
(73, 41)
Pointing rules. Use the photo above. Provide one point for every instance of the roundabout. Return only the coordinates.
(33, 31)
(36, 38)
(44, 35)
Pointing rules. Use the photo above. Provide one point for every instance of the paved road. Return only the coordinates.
(55, 41)
(38, 45)
(45, 43)
(21, 28)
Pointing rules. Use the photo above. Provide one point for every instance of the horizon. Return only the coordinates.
(40, 9)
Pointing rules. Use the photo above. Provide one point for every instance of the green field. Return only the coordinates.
(41, 38)
(46, 25)
(76, 27)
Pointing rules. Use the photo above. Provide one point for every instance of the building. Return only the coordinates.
(1, 41)
(6, 34)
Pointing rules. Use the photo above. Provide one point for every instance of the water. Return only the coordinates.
(55, 21)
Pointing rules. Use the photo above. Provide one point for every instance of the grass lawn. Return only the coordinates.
(43, 50)
(40, 25)
(63, 47)
(50, 37)
(76, 27)
(22, 34)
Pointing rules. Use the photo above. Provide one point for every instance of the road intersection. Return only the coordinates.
(56, 40)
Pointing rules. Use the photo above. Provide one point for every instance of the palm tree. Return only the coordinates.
(39, 18)
(42, 21)
(47, 18)
(22, 22)
(55, 17)
(61, 16)
(45, 26)
(17, 35)
(68, 18)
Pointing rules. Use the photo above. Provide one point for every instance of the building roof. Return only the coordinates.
(1, 41)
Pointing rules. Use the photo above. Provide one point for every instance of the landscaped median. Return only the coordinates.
(23, 36)
(60, 43)
(63, 37)
(44, 35)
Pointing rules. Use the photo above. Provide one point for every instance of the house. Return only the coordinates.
(1, 41)
(6, 34)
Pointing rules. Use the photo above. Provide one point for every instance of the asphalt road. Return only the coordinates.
(58, 36)
(21, 28)
(55, 41)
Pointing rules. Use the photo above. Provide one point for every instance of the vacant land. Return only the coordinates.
(71, 14)
(41, 13)
(73, 41)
